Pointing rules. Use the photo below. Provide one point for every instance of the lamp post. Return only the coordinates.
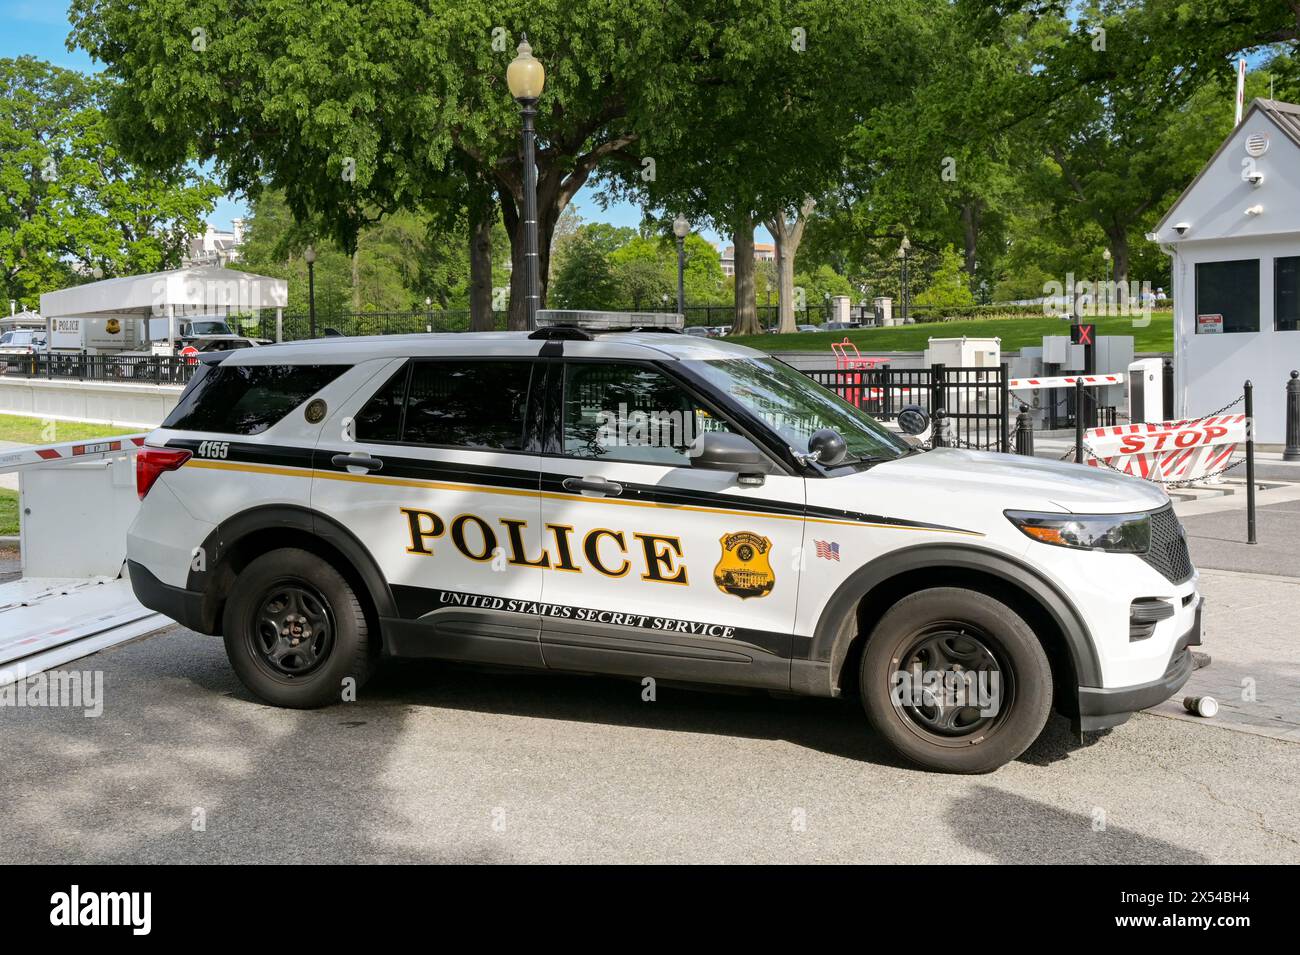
(526, 77)
(309, 256)
(681, 229)
(428, 314)
(903, 248)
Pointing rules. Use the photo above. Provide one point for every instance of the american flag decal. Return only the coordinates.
(828, 550)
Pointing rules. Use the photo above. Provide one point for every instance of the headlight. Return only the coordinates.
(1118, 533)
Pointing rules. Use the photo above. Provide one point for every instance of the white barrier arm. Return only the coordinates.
(1064, 381)
(16, 459)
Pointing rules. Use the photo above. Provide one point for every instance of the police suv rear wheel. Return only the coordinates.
(956, 681)
(295, 631)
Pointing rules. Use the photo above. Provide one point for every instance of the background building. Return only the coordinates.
(763, 252)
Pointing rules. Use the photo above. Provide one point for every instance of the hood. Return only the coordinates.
(1026, 483)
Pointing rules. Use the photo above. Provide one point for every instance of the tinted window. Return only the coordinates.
(381, 418)
(1230, 290)
(247, 399)
(467, 404)
(1286, 294)
(630, 413)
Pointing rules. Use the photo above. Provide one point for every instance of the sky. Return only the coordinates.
(40, 28)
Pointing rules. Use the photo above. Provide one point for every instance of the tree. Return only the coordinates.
(69, 201)
(787, 236)
(949, 286)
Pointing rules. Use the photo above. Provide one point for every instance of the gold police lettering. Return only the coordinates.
(658, 557)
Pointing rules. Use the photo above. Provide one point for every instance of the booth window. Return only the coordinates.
(1230, 289)
(1286, 294)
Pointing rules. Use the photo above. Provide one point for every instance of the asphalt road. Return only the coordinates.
(440, 763)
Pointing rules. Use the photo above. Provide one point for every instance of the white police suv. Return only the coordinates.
(656, 505)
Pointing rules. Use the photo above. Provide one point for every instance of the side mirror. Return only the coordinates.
(724, 451)
(914, 420)
(827, 447)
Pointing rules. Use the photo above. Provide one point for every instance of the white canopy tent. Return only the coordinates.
(200, 290)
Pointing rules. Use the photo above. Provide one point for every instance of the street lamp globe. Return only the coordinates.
(681, 226)
(309, 254)
(904, 247)
(525, 76)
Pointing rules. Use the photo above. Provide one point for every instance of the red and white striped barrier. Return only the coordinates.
(1063, 381)
(43, 454)
(1168, 450)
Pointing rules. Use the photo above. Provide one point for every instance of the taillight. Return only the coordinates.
(151, 462)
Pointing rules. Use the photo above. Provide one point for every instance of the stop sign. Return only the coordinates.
(190, 353)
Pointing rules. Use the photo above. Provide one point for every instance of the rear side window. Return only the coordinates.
(247, 399)
(459, 404)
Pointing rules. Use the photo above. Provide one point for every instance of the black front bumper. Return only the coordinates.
(1101, 708)
(184, 606)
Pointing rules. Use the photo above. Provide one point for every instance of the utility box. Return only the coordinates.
(965, 352)
(1146, 390)
(74, 517)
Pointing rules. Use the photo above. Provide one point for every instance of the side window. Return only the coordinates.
(1286, 294)
(247, 399)
(467, 404)
(1227, 296)
(381, 418)
(630, 413)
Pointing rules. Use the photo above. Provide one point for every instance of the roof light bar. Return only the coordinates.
(609, 321)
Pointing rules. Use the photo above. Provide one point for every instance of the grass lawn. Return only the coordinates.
(1016, 333)
(26, 430)
(8, 512)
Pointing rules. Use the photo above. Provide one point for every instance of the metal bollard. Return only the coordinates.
(1025, 432)
(1292, 452)
(937, 424)
(1078, 420)
(1250, 462)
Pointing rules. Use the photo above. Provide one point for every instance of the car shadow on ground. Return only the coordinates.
(836, 727)
(1011, 828)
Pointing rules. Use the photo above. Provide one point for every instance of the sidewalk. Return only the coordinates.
(1249, 633)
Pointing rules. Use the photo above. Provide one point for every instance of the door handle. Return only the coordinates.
(594, 485)
(356, 461)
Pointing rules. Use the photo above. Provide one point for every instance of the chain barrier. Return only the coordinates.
(1175, 483)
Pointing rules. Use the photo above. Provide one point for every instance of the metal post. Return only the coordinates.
(1004, 442)
(1292, 452)
(937, 422)
(681, 277)
(311, 298)
(533, 274)
(1078, 420)
(1168, 395)
(1250, 462)
(1025, 432)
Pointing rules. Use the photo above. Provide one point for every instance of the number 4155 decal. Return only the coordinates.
(212, 449)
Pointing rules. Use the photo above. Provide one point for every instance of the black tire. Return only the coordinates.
(948, 629)
(296, 654)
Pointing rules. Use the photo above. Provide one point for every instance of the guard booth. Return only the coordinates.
(1234, 240)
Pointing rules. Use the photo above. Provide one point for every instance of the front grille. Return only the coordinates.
(1168, 553)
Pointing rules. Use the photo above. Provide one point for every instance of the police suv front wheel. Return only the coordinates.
(295, 632)
(956, 681)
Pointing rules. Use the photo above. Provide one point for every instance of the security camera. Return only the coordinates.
(1255, 178)
(1182, 227)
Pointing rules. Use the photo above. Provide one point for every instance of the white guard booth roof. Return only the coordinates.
(201, 290)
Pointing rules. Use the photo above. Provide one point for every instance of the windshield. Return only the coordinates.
(209, 328)
(794, 406)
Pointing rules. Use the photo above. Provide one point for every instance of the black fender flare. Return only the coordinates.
(285, 516)
(836, 627)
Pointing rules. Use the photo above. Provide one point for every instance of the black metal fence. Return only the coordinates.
(144, 369)
(975, 402)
